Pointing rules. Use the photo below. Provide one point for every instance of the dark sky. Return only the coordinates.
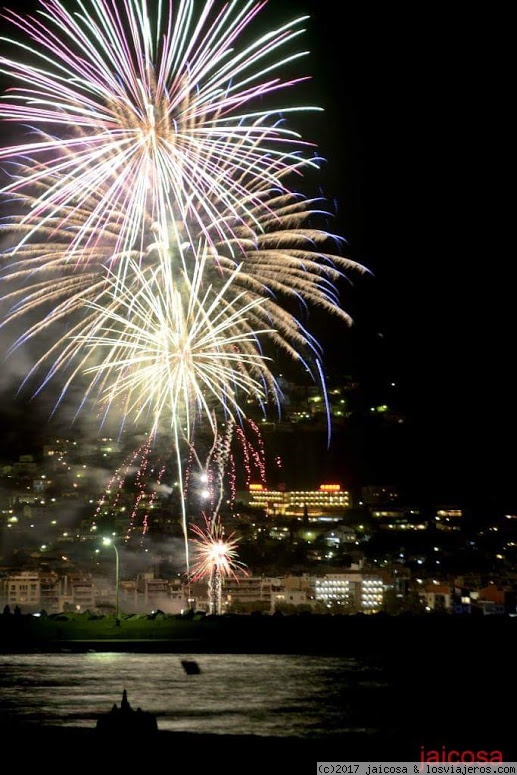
(431, 134)
(416, 134)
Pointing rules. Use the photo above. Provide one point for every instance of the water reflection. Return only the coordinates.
(272, 695)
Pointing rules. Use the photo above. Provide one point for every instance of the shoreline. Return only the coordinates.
(363, 636)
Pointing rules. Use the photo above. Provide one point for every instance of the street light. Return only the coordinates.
(110, 542)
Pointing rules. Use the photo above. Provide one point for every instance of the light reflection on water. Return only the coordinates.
(273, 695)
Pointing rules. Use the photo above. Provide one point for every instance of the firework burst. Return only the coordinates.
(151, 212)
(162, 165)
(215, 558)
(173, 355)
(166, 105)
(281, 275)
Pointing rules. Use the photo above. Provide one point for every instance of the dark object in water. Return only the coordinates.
(124, 719)
(190, 666)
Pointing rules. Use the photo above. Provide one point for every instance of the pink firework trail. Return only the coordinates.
(138, 466)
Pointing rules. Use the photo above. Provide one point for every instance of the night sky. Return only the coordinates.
(416, 137)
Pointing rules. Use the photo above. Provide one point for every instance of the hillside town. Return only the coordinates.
(325, 549)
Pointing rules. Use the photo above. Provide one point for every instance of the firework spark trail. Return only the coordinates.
(142, 472)
(153, 498)
(253, 458)
(260, 455)
(213, 468)
(137, 465)
(158, 107)
(115, 484)
(218, 469)
(221, 457)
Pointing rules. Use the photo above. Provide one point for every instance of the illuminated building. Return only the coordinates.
(253, 589)
(329, 500)
(379, 495)
(79, 591)
(23, 589)
(359, 591)
(391, 518)
(437, 597)
(340, 535)
(448, 519)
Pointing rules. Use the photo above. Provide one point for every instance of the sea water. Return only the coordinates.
(270, 695)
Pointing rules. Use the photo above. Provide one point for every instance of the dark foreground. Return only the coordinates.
(426, 638)
(197, 753)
